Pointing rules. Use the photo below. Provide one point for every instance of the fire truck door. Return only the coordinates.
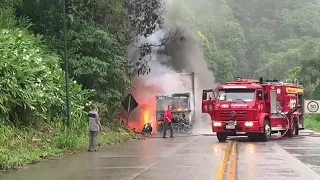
(260, 100)
(208, 99)
(301, 109)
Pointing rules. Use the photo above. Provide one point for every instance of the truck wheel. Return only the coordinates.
(295, 129)
(222, 137)
(266, 131)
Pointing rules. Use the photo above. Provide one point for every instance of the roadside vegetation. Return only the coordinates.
(30, 145)
(32, 80)
(312, 122)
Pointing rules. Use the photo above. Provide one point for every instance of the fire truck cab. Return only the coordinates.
(255, 108)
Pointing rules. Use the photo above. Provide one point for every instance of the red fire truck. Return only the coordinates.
(256, 109)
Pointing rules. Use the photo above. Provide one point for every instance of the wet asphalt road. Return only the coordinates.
(279, 160)
(183, 158)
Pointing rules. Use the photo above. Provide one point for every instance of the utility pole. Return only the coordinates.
(65, 58)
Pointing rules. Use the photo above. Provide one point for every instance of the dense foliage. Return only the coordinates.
(269, 38)
(32, 82)
(97, 34)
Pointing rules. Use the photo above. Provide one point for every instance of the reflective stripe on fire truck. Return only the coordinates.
(294, 90)
(234, 87)
(239, 105)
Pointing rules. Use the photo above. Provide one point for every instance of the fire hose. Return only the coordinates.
(287, 128)
(288, 121)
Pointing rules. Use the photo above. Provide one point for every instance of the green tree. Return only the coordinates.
(97, 36)
(32, 83)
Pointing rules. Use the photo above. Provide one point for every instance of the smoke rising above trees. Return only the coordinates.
(273, 39)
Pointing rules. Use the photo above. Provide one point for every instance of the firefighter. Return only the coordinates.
(168, 122)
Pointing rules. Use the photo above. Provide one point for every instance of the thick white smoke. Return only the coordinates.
(162, 75)
(183, 55)
(188, 56)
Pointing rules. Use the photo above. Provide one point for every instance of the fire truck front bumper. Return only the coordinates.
(236, 126)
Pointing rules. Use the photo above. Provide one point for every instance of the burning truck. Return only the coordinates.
(183, 115)
(180, 95)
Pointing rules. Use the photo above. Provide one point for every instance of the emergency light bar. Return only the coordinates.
(240, 79)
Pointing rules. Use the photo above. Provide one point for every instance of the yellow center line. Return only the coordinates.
(233, 163)
(223, 165)
(231, 171)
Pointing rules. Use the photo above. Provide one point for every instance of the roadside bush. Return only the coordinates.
(312, 122)
(32, 83)
(19, 147)
(32, 100)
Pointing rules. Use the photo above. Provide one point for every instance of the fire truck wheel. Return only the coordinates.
(266, 131)
(222, 137)
(295, 129)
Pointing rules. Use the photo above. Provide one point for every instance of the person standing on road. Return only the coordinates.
(94, 127)
(168, 122)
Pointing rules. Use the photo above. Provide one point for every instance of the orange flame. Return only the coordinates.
(146, 111)
(146, 115)
(179, 109)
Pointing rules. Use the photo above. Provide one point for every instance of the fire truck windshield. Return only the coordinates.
(233, 95)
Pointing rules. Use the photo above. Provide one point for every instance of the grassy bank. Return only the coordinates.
(312, 122)
(19, 147)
